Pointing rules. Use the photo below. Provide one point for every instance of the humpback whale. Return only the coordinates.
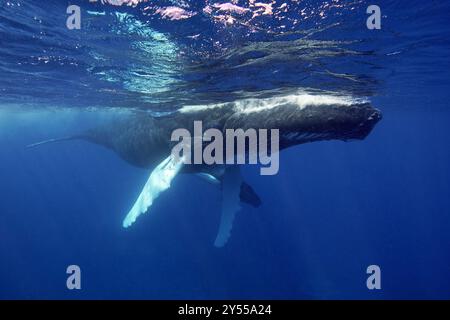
(144, 140)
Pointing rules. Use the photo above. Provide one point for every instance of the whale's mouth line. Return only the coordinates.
(355, 132)
(304, 136)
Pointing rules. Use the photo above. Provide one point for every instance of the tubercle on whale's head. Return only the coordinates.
(311, 119)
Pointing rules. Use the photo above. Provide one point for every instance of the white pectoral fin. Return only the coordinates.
(231, 186)
(159, 180)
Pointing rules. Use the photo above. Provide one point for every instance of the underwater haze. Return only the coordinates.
(333, 209)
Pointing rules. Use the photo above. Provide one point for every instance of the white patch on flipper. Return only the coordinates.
(159, 180)
(231, 188)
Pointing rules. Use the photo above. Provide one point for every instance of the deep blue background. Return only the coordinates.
(334, 208)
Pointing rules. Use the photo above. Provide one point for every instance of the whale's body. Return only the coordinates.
(145, 141)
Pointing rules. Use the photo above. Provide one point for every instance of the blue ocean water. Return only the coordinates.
(334, 208)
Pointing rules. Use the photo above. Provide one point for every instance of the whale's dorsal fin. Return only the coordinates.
(159, 181)
(231, 187)
(247, 194)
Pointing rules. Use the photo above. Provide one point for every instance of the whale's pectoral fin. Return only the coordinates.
(159, 180)
(231, 188)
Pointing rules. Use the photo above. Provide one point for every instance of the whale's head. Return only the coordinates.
(306, 118)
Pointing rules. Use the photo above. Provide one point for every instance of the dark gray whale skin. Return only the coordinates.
(144, 141)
